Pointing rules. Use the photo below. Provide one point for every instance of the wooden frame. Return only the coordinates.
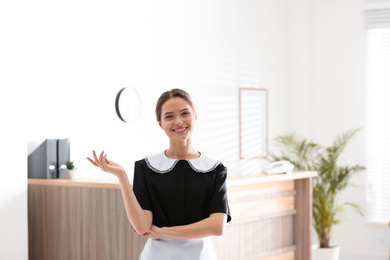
(253, 144)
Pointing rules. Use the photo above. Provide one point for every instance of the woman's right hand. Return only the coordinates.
(105, 165)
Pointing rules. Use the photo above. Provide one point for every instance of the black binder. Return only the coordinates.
(42, 163)
(63, 155)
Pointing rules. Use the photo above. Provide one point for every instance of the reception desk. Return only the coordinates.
(85, 219)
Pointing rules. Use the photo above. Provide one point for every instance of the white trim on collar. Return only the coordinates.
(160, 163)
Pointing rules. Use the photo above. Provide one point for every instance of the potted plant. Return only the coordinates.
(332, 178)
(70, 172)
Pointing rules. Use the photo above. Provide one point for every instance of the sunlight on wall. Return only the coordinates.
(153, 47)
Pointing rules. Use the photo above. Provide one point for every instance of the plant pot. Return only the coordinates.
(331, 253)
(70, 174)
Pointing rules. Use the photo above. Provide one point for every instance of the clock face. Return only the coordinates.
(128, 104)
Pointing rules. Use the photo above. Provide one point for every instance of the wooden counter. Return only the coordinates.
(85, 219)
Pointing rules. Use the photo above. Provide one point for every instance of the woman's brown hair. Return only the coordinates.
(176, 92)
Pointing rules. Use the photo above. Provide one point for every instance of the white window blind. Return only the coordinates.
(377, 125)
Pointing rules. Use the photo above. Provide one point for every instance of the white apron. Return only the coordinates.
(178, 249)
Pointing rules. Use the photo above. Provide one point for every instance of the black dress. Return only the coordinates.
(180, 192)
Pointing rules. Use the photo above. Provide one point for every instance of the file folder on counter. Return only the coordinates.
(46, 161)
(63, 155)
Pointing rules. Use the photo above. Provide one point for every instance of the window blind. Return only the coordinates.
(377, 123)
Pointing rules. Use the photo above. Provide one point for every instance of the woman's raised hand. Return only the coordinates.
(105, 165)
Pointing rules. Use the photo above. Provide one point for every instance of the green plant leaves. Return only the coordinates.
(332, 178)
(69, 165)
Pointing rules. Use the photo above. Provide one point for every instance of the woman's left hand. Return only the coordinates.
(153, 233)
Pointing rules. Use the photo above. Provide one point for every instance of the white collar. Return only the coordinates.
(160, 163)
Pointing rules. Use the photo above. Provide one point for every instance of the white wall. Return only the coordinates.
(298, 86)
(13, 109)
(66, 61)
(208, 48)
(326, 68)
(63, 64)
(13, 183)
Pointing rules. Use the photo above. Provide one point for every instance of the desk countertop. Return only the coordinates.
(113, 183)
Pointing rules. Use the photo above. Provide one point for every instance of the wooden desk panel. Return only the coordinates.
(79, 223)
(86, 219)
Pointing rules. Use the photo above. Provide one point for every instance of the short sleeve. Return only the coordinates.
(219, 200)
(140, 187)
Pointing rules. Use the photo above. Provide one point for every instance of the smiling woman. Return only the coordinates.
(178, 198)
(178, 121)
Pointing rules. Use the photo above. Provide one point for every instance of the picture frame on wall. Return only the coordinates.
(253, 123)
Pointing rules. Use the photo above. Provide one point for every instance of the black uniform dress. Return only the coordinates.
(180, 192)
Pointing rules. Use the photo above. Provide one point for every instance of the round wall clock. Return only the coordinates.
(128, 104)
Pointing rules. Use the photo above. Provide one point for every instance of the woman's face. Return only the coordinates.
(177, 119)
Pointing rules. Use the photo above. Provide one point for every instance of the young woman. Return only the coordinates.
(178, 197)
